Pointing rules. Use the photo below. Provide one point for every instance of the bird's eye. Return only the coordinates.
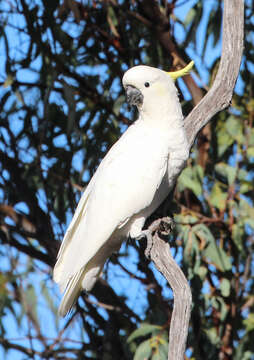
(147, 84)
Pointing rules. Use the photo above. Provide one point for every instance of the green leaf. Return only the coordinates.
(227, 171)
(240, 354)
(217, 256)
(188, 179)
(237, 235)
(249, 221)
(158, 355)
(159, 344)
(219, 304)
(224, 140)
(218, 197)
(143, 351)
(246, 210)
(242, 174)
(249, 322)
(182, 230)
(234, 128)
(190, 16)
(202, 231)
(112, 21)
(190, 244)
(200, 172)
(251, 131)
(201, 272)
(225, 287)
(250, 152)
(163, 350)
(192, 22)
(118, 104)
(245, 186)
(185, 219)
(213, 335)
(144, 330)
(248, 355)
(29, 300)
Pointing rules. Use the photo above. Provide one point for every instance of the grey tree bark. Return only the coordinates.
(217, 99)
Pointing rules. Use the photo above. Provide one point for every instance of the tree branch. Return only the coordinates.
(158, 20)
(159, 252)
(217, 99)
(220, 94)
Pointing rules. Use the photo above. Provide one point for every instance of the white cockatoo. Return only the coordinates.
(131, 181)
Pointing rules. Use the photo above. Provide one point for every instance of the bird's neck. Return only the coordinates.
(166, 122)
(166, 115)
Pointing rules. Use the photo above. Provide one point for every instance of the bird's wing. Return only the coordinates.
(76, 218)
(124, 185)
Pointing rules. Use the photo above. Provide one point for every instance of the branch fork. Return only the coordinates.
(218, 98)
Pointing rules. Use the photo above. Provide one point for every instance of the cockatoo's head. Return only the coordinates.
(148, 87)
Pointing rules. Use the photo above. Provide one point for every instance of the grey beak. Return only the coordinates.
(133, 95)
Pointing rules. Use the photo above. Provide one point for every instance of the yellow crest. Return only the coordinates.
(185, 71)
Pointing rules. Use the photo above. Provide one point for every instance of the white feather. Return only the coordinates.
(132, 180)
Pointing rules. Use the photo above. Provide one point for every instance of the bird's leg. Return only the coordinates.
(148, 234)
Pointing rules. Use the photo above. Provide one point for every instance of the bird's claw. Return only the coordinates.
(161, 227)
(166, 225)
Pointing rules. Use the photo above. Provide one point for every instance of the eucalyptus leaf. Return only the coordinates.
(249, 322)
(219, 304)
(213, 335)
(237, 235)
(225, 287)
(143, 330)
(188, 179)
(250, 152)
(217, 257)
(30, 302)
(201, 271)
(218, 197)
(225, 140)
(235, 128)
(228, 171)
(143, 351)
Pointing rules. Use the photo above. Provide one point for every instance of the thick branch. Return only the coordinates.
(218, 98)
(220, 94)
(159, 252)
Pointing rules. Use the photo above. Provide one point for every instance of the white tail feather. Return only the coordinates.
(71, 294)
(83, 279)
(59, 266)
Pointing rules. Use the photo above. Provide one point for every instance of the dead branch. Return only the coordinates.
(217, 99)
(159, 252)
(220, 94)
